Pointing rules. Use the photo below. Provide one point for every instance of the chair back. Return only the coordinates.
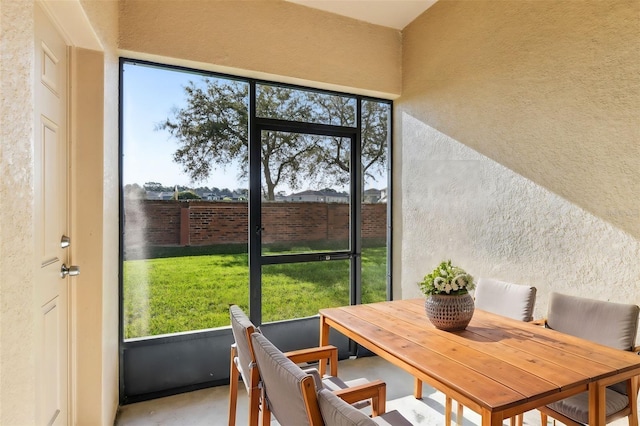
(287, 388)
(296, 397)
(242, 328)
(336, 412)
(506, 299)
(608, 323)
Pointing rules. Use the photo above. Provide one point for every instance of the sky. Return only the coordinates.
(150, 95)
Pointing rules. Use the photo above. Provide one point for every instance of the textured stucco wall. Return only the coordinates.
(519, 145)
(17, 257)
(103, 16)
(269, 39)
(99, 315)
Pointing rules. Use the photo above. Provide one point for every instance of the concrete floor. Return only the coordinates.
(210, 406)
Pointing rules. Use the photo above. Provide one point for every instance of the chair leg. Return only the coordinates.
(417, 388)
(233, 389)
(447, 411)
(459, 415)
(543, 419)
(254, 406)
(266, 413)
(520, 419)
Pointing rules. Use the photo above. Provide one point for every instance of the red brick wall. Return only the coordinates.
(152, 222)
(159, 223)
(217, 223)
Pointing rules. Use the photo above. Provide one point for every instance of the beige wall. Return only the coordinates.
(87, 221)
(520, 115)
(266, 39)
(370, 63)
(518, 145)
(103, 16)
(17, 328)
(94, 227)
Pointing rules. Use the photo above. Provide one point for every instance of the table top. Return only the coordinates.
(495, 364)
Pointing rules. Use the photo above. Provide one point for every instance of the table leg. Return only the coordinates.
(633, 401)
(447, 411)
(490, 418)
(597, 404)
(324, 340)
(417, 388)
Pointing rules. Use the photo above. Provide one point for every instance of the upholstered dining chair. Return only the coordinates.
(606, 323)
(296, 397)
(499, 297)
(510, 300)
(243, 364)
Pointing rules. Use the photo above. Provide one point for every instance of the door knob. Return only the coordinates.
(69, 270)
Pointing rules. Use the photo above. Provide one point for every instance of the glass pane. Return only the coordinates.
(185, 210)
(296, 290)
(375, 146)
(284, 103)
(305, 192)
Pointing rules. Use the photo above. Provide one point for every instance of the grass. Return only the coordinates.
(174, 294)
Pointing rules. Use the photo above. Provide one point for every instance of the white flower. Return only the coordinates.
(446, 279)
(461, 280)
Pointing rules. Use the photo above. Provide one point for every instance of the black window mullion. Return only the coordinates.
(255, 212)
(389, 206)
(307, 128)
(356, 209)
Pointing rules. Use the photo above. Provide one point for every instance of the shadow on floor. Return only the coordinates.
(210, 406)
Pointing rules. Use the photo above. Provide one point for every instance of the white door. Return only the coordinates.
(51, 223)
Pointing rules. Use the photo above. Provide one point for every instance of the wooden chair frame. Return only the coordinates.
(252, 387)
(375, 390)
(631, 411)
(377, 393)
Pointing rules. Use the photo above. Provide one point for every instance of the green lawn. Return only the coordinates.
(174, 294)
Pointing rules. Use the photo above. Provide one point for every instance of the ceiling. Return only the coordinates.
(389, 13)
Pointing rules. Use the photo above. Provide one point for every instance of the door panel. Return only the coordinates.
(51, 209)
(50, 317)
(306, 221)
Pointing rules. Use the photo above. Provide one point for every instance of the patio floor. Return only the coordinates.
(210, 406)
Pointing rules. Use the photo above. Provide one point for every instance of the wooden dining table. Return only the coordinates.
(497, 367)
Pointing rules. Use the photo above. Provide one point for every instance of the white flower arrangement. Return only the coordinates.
(447, 279)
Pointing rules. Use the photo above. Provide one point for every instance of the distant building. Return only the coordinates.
(159, 195)
(372, 196)
(309, 196)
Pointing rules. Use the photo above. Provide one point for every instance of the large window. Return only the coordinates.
(235, 191)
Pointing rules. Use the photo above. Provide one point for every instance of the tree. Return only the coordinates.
(212, 131)
(188, 195)
(332, 164)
